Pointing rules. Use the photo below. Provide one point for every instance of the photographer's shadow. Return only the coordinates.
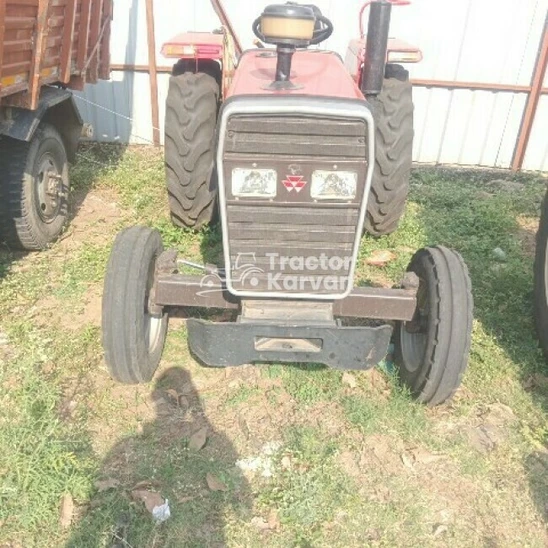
(202, 484)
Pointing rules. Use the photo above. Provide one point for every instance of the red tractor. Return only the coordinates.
(297, 155)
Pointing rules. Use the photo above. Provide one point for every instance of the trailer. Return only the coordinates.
(47, 48)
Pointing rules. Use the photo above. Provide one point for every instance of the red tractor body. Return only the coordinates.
(257, 70)
(298, 155)
(196, 46)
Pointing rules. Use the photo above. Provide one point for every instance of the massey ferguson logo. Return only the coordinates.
(294, 183)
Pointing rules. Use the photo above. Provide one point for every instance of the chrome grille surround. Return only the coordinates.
(339, 217)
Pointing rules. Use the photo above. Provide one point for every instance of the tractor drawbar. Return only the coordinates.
(377, 44)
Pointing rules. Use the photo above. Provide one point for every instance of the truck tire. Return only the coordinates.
(34, 189)
(133, 337)
(393, 113)
(540, 309)
(432, 350)
(190, 126)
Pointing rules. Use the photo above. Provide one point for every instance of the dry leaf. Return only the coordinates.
(408, 463)
(485, 437)
(274, 520)
(182, 500)
(423, 456)
(152, 499)
(349, 379)
(381, 257)
(541, 381)
(215, 484)
(198, 439)
(106, 484)
(243, 426)
(286, 463)
(66, 511)
(529, 383)
(144, 484)
(173, 395)
(260, 523)
(439, 530)
(406, 249)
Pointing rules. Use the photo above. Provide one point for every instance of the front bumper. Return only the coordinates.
(231, 344)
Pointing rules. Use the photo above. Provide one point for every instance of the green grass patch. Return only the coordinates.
(320, 500)
(44, 455)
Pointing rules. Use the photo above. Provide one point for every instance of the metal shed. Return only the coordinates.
(481, 93)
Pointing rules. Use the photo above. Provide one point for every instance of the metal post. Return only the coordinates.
(532, 101)
(153, 73)
(227, 23)
(2, 35)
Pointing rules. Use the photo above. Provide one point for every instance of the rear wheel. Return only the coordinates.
(133, 336)
(34, 189)
(432, 350)
(191, 120)
(541, 279)
(393, 113)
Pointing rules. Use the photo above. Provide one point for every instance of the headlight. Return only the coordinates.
(250, 183)
(334, 185)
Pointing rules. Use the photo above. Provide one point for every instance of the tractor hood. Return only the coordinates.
(314, 73)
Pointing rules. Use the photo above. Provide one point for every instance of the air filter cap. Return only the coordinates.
(289, 11)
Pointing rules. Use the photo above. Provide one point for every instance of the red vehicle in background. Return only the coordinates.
(46, 48)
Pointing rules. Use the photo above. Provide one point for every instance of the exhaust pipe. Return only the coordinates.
(376, 47)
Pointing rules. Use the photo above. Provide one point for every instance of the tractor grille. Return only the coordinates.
(292, 244)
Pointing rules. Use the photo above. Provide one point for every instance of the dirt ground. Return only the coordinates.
(268, 455)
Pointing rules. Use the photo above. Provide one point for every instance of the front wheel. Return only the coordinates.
(432, 350)
(133, 336)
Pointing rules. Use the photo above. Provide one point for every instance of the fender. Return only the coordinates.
(210, 53)
(57, 107)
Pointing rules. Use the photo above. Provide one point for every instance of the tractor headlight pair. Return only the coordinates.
(263, 183)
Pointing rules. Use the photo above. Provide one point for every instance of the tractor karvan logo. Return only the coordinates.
(283, 273)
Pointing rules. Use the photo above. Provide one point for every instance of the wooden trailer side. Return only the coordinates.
(51, 41)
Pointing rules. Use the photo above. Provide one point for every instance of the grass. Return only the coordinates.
(356, 464)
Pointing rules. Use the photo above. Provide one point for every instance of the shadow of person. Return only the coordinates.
(202, 484)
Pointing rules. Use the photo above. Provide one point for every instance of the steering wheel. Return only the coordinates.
(324, 32)
(324, 29)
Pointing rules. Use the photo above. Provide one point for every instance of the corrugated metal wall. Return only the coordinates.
(489, 41)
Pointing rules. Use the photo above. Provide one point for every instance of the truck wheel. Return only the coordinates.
(393, 113)
(34, 189)
(540, 309)
(191, 120)
(432, 350)
(133, 337)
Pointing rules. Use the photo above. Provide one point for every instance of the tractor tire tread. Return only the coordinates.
(393, 113)
(191, 117)
(540, 307)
